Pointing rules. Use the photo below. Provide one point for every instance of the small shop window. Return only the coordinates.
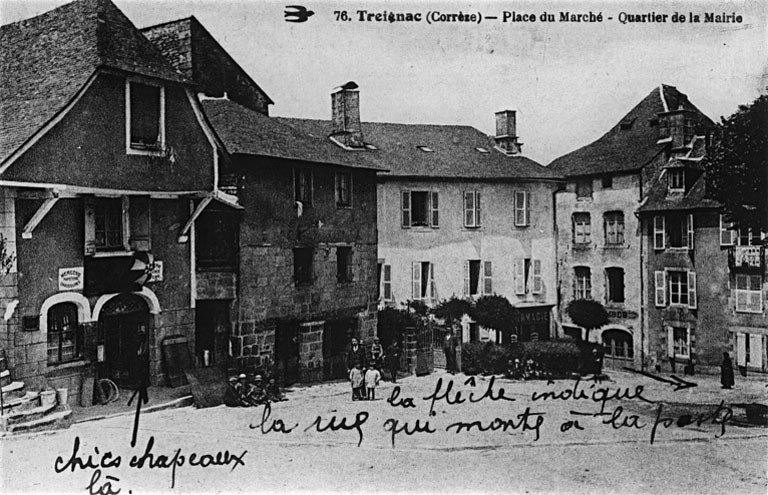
(65, 335)
(344, 264)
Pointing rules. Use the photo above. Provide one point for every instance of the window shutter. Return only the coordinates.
(527, 208)
(387, 282)
(90, 225)
(726, 233)
(661, 288)
(538, 285)
(670, 342)
(126, 214)
(520, 277)
(741, 349)
(140, 224)
(487, 278)
(406, 207)
(433, 206)
(692, 290)
(659, 233)
(477, 209)
(466, 278)
(689, 230)
(416, 279)
(756, 350)
(432, 286)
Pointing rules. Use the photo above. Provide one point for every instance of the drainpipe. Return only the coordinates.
(642, 278)
(558, 189)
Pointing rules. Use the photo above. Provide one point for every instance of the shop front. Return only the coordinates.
(531, 323)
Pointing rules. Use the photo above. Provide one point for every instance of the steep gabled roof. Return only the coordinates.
(453, 151)
(46, 60)
(631, 143)
(247, 132)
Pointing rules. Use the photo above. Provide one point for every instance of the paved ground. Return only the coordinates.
(522, 451)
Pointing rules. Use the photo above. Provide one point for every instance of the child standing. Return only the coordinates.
(356, 378)
(372, 377)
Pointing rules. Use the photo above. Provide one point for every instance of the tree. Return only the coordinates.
(494, 312)
(587, 314)
(452, 310)
(736, 166)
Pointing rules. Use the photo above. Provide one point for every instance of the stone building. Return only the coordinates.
(600, 254)
(104, 158)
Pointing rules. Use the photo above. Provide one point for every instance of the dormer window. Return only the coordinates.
(145, 118)
(676, 178)
(482, 150)
(425, 149)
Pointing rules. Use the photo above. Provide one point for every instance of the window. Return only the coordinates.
(746, 237)
(387, 283)
(344, 264)
(538, 280)
(618, 343)
(145, 126)
(478, 278)
(614, 281)
(522, 268)
(749, 293)
(582, 283)
(343, 189)
(302, 266)
(216, 239)
(65, 336)
(676, 178)
(303, 186)
(607, 182)
(472, 209)
(674, 231)
(420, 209)
(423, 281)
(522, 209)
(681, 342)
(582, 228)
(681, 288)
(728, 234)
(584, 189)
(613, 222)
(109, 225)
(659, 233)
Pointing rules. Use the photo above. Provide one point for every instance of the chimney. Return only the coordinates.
(345, 107)
(678, 125)
(506, 132)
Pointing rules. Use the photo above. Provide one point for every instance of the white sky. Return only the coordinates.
(569, 82)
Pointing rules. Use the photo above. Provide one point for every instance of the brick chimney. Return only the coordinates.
(345, 108)
(506, 132)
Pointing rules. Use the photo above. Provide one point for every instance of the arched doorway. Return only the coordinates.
(124, 322)
(618, 347)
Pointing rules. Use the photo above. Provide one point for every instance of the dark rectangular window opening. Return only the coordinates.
(419, 209)
(615, 278)
(216, 243)
(65, 336)
(108, 224)
(302, 265)
(584, 189)
(607, 182)
(677, 231)
(344, 264)
(343, 189)
(303, 187)
(145, 116)
(474, 277)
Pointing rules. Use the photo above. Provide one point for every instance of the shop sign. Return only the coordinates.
(71, 278)
(531, 315)
(620, 314)
(157, 272)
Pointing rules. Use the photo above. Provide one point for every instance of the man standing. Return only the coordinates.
(393, 359)
(449, 347)
(356, 355)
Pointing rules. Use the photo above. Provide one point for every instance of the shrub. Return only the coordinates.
(392, 324)
(558, 358)
(486, 358)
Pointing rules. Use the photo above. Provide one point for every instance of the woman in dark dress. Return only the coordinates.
(726, 371)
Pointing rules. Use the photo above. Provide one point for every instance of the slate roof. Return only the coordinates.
(47, 59)
(695, 198)
(245, 131)
(626, 149)
(454, 151)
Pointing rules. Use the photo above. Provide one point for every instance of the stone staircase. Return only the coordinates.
(26, 411)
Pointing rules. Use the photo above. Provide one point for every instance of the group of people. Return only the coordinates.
(365, 372)
(244, 393)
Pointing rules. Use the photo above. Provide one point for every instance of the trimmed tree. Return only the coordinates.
(494, 312)
(587, 313)
(736, 166)
(452, 310)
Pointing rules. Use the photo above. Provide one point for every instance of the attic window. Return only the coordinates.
(627, 124)
(370, 147)
(676, 178)
(145, 118)
(425, 149)
(482, 150)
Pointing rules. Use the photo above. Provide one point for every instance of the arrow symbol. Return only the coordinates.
(678, 382)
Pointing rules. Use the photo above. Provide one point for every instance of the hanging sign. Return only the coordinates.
(71, 278)
(157, 272)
